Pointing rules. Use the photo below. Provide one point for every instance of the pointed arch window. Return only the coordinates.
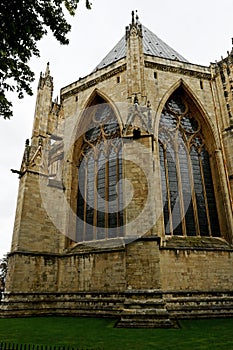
(99, 214)
(188, 193)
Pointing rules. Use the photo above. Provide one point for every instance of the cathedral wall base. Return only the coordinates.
(132, 308)
(141, 284)
(61, 304)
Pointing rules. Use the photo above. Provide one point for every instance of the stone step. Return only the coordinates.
(194, 305)
(146, 320)
(145, 310)
(139, 323)
(138, 303)
(61, 304)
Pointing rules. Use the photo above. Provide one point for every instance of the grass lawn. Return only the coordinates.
(96, 333)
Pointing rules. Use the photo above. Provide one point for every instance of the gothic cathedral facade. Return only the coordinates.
(125, 195)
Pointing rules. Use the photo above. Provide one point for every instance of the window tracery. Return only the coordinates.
(188, 193)
(99, 214)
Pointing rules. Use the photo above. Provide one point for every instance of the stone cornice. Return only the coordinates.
(93, 82)
(179, 70)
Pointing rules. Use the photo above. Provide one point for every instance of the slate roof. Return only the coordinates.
(152, 45)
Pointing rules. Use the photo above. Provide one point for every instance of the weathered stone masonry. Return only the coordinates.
(140, 266)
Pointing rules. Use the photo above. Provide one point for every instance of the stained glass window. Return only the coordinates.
(188, 193)
(99, 214)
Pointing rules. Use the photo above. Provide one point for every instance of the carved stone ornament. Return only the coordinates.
(48, 81)
(33, 159)
(179, 70)
(139, 117)
(94, 82)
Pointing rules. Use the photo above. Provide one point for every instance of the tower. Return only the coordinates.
(125, 195)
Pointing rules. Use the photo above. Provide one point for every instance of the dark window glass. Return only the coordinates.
(215, 230)
(188, 193)
(99, 208)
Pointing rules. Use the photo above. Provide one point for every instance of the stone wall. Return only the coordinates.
(30, 272)
(97, 270)
(35, 226)
(142, 284)
(196, 269)
(51, 274)
(143, 265)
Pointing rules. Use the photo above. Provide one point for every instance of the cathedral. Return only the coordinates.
(124, 207)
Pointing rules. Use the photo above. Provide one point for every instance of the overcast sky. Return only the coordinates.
(200, 30)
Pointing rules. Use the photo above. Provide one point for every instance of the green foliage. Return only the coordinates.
(96, 333)
(3, 270)
(22, 24)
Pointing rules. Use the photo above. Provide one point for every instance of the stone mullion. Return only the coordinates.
(117, 188)
(205, 195)
(106, 192)
(95, 184)
(193, 195)
(85, 199)
(168, 189)
(179, 181)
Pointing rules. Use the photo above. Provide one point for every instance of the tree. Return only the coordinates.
(3, 272)
(22, 24)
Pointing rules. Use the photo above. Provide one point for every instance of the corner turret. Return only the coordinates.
(43, 104)
(222, 74)
(224, 77)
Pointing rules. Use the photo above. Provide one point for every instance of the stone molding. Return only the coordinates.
(93, 82)
(179, 70)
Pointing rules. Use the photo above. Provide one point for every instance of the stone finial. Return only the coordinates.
(47, 71)
(135, 17)
(135, 27)
(133, 21)
(45, 79)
